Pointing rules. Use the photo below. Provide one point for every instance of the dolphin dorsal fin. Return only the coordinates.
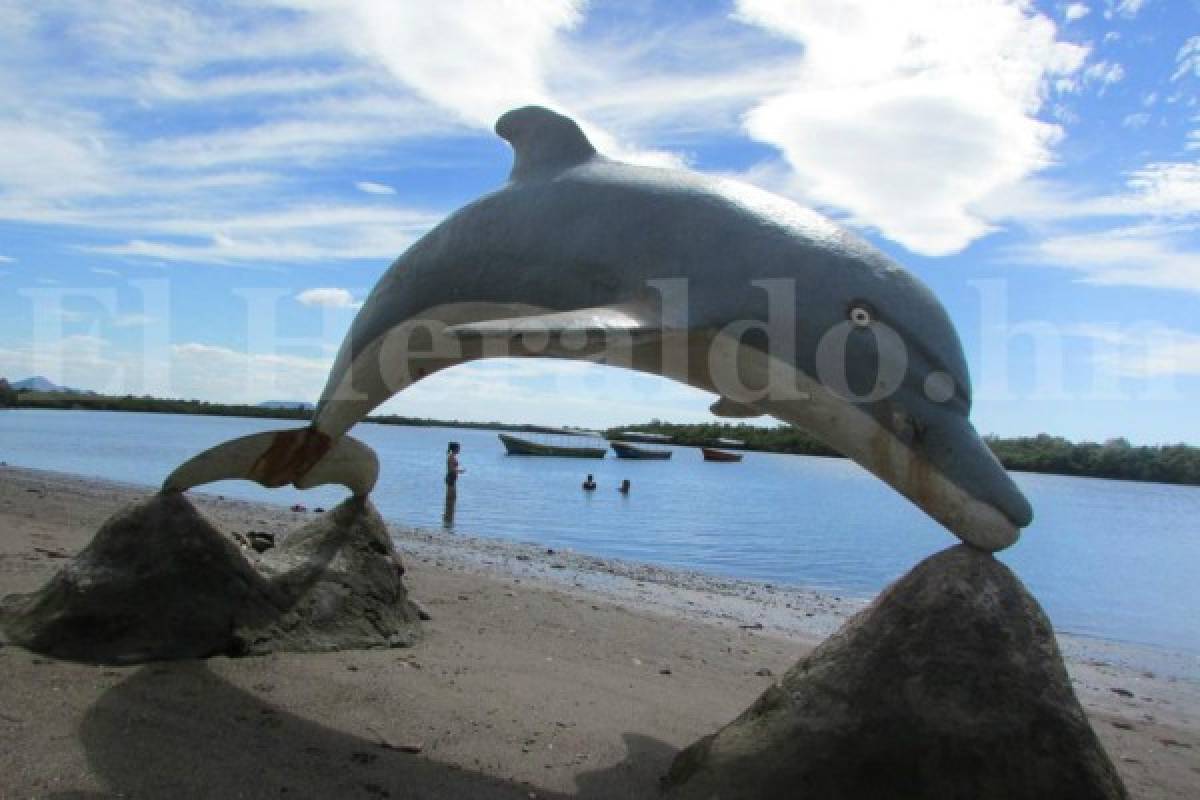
(543, 142)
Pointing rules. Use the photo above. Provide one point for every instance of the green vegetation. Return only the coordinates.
(771, 440)
(1116, 458)
(99, 402)
(89, 401)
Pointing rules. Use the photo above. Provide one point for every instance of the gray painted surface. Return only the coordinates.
(579, 256)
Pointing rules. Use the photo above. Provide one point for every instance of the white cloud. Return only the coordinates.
(172, 86)
(221, 249)
(371, 187)
(106, 271)
(907, 114)
(1076, 11)
(68, 161)
(1148, 350)
(6, 260)
(1104, 73)
(290, 235)
(1171, 188)
(327, 297)
(133, 320)
(1135, 121)
(290, 141)
(1188, 59)
(564, 394)
(79, 361)
(1154, 255)
(222, 374)
(52, 159)
(1168, 189)
(475, 59)
(1123, 8)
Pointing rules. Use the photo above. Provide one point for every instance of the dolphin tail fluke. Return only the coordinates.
(303, 457)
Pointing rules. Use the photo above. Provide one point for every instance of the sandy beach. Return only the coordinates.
(540, 674)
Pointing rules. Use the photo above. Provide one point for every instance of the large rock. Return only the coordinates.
(158, 581)
(342, 580)
(950, 685)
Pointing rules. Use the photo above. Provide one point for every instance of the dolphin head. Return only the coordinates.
(888, 353)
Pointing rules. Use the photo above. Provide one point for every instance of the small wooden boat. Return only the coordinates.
(639, 436)
(719, 455)
(624, 450)
(518, 446)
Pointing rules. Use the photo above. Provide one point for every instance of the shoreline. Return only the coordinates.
(809, 615)
(259, 413)
(551, 649)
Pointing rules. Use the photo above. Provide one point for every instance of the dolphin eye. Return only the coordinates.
(860, 315)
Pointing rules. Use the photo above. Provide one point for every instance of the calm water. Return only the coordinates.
(1112, 559)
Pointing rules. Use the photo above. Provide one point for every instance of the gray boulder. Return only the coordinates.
(342, 581)
(950, 685)
(159, 582)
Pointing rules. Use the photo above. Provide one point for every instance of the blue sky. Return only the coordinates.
(193, 197)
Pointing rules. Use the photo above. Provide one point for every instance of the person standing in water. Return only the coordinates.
(624, 487)
(589, 484)
(453, 470)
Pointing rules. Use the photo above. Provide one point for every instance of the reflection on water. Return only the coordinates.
(1106, 558)
(448, 508)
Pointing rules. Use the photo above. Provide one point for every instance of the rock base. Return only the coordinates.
(949, 685)
(159, 582)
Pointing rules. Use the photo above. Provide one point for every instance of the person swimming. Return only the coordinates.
(589, 484)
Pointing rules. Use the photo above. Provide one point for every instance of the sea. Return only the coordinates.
(1114, 560)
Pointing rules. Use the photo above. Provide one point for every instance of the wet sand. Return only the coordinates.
(547, 674)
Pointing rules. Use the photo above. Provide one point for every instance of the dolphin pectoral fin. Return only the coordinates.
(599, 321)
(732, 409)
(304, 457)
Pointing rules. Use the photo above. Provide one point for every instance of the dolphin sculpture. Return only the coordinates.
(719, 285)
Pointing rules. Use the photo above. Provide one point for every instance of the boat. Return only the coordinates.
(552, 444)
(624, 450)
(711, 454)
(639, 436)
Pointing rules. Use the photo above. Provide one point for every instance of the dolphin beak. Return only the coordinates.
(951, 473)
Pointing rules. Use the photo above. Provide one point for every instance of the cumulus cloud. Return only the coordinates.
(1076, 11)
(905, 115)
(327, 297)
(475, 59)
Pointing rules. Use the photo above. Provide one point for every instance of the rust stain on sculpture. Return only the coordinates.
(291, 455)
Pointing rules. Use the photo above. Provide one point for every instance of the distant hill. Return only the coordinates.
(38, 384)
(290, 405)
